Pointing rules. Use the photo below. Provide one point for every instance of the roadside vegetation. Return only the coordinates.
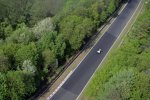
(126, 73)
(38, 37)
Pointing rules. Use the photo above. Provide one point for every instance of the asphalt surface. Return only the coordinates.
(72, 88)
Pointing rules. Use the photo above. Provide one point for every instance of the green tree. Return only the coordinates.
(119, 86)
(13, 12)
(67, 25)
(144, 61)
(75, 29)
(19, 84)
(10, 49)
(4, 63)
(111, 7)
(5, 28)
(3, 87)
(60, 46)
(16, 86)
(95, 13)
(26, 52)
(21, 35)
(8, 31)
(49, 60)
(47, 41)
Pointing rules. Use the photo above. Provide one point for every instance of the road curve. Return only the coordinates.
(73, 86)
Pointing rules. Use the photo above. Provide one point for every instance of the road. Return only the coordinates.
(73, 86)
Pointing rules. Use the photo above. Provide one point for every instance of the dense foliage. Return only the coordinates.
(126, 73)
(38, 36)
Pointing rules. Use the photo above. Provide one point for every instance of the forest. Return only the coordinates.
(126, 73)
(38, 36)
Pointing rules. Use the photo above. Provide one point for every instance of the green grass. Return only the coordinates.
(125, 74)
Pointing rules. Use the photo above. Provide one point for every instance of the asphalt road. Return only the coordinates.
(72, 88)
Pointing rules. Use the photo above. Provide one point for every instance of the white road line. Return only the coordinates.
(48, 98)
(109, 51)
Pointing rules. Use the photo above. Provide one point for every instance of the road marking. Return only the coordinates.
(109, 50)
(48, 98)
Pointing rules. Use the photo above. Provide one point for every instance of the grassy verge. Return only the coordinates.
(125, 74)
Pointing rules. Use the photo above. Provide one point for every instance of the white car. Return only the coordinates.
(99, 51)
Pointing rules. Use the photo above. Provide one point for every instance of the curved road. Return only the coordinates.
(73, 86)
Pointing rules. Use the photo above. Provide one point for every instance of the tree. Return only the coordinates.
(19, 84)
(16, 86)
(10, 50)
(111, 7)
(143, 61)
(8, 31)
(82, 11)
(5, 29)
(141, 87)
(49, 60)
(41, 27)
(88, 27)
(47, 41)
(94, 12)
(119, 86)
(3, 87)
(26, 52)
(21, 35)
(60, 46)
(28, 67)
(4, 62)
(38, 12)
(75, 29)
(67, 25)
(13, 12)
